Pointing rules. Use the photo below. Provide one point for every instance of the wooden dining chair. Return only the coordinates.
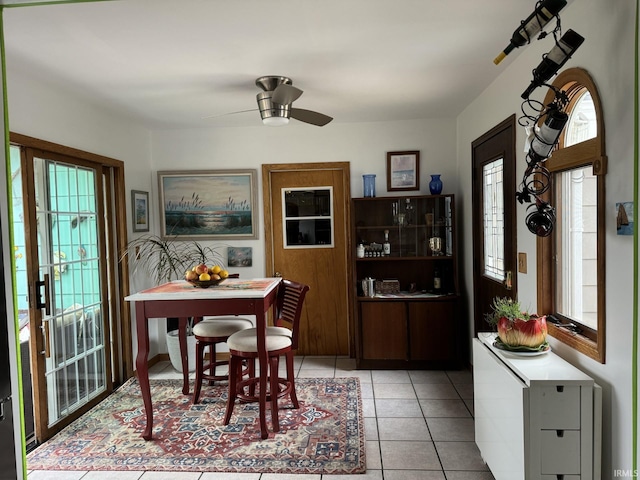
(281, 339)
(210, 332)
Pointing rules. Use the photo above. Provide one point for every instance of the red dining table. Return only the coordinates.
(179, 299)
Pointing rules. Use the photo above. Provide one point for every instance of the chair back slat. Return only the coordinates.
(289, 307)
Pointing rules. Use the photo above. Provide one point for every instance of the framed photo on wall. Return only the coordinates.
(140, 210)
(239, 256)
(208, 204)
(403, 171)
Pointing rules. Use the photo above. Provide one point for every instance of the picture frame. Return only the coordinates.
(403, 171)
(140, 210)
(239, 256)
(208, 204)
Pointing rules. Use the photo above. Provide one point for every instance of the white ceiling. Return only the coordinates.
(170, 63)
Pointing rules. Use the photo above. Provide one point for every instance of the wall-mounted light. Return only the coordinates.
(545, 10)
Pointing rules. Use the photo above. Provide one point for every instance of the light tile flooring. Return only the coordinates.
(418, 426)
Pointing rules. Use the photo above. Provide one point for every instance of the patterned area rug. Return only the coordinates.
(325, 435)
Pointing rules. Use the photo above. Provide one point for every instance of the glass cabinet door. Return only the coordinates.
(415, 226)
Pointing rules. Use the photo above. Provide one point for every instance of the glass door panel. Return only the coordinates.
(69, 259)
(493, 220)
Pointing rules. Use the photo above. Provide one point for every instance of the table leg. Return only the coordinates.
(182, 337)
(142, 366)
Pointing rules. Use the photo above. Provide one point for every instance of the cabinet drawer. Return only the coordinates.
(560, 452)
(559, 407)
(560, 477)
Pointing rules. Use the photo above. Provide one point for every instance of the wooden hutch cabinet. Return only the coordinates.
(410, 317)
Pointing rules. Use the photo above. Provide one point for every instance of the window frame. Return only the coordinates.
(590, 152)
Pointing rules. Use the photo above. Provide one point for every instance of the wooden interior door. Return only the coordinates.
(494, 219)
(320, 259)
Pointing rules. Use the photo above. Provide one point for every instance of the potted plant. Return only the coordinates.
(517, 329)
(165, 260)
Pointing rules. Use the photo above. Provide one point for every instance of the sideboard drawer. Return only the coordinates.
(560, 477)
(560, 452)
(559, 407)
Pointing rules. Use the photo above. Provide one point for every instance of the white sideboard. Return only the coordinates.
(536, 417)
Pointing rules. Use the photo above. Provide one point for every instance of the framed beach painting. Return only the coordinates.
(140, 210)
(208, 204)
(403, 171)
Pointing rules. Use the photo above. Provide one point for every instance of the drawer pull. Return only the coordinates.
(559, 388)
(559, 433)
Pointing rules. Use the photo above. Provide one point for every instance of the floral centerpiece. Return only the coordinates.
(517, 329)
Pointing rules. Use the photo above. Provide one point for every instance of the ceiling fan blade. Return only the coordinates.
(230, 113)
(285, 94)
(308, 116)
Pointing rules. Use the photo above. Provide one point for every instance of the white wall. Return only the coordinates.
(608, 55)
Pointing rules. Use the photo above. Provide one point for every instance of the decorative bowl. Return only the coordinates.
(205, 284)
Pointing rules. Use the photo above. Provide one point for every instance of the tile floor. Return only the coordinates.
(418, 426)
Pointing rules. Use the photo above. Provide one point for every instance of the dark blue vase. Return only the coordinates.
(435, 185)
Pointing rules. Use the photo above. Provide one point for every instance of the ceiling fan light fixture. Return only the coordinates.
(272, 114)
(275, 121)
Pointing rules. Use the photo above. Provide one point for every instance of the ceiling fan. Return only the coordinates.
(275, 103)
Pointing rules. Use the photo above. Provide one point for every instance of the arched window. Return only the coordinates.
(571, 261)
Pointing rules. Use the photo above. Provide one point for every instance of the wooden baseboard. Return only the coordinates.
(164, 357)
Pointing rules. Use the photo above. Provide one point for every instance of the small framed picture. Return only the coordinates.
(239, 256)
(403, 171)
(140, 210)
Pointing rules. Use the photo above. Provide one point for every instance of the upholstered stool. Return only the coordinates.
(279, 340)
(210, 332)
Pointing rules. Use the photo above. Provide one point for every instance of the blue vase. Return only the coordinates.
(369, 185)
(435, 185)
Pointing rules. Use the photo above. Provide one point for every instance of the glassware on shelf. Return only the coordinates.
(435, 244)
(408, 211)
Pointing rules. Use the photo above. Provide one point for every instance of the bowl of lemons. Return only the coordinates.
(203, 276)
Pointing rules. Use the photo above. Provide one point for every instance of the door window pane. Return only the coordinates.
(493, 220)
(576, 241)
(308, 217)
